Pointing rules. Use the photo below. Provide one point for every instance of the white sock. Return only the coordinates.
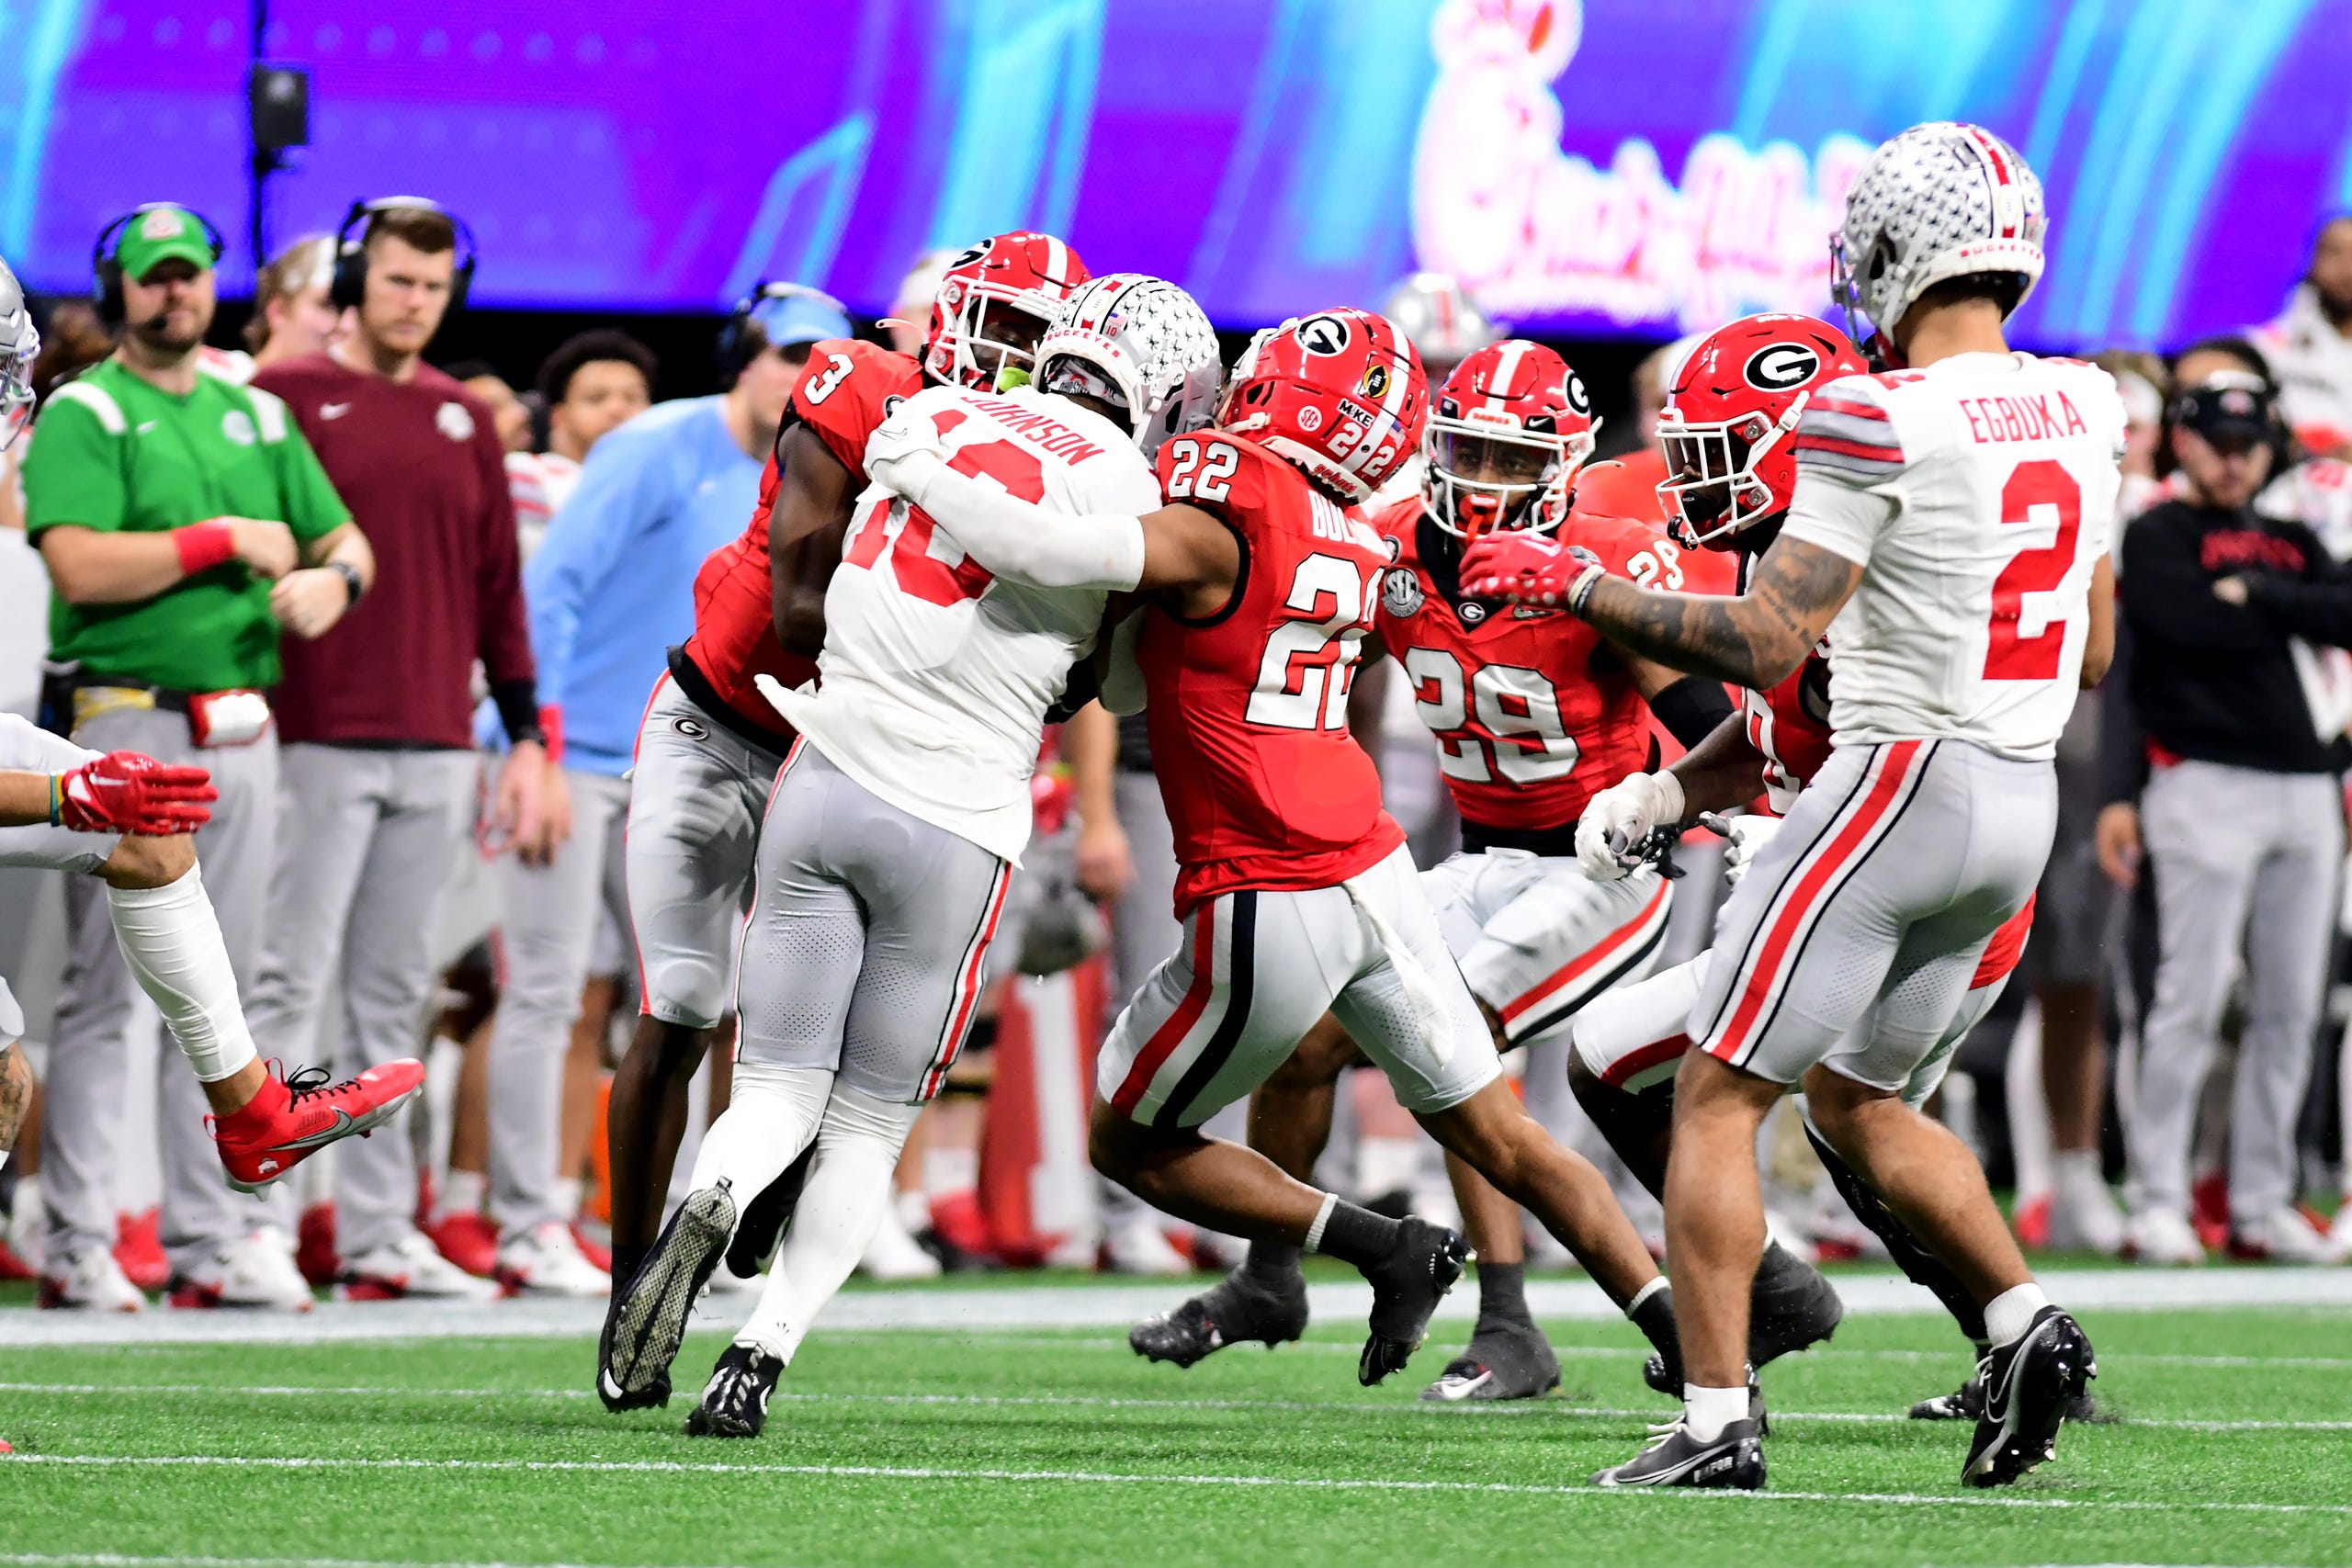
(172, 940)
(770, 1117)
(949, 1171)
(462, 1193)
(915, 1210)
(567, 1198)
(1707, 1411)
(847, 1193)
(2010, 1313)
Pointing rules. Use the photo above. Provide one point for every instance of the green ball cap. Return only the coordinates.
(168, 234)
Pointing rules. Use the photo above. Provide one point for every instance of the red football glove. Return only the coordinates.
(125, 792)
(1524, 568)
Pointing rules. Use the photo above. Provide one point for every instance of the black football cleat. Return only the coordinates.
(1406, 1286)
(1792, 1306)
(642, 1334)
(735, 1401)
(1734, 1460)
(2028, 1388)
(1503, 1360)
(1965, 1403)
(1241, 1309)
(761, 1230)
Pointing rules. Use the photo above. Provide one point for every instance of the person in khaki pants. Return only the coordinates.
(184, 521)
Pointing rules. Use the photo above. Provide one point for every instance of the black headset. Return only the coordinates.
(106, 266)
(734, 351)
(348, 285)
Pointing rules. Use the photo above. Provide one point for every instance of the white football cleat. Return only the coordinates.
(2083, 1212)
(254, 1270)
(892, 1257)
(410, 1267)
(2164, 1238)
(2339, 1236)
(2282, 1235)
(1136, 1245)
(547, 1261)
(91, 1280)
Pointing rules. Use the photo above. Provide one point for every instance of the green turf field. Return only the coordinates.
(1063, 1447)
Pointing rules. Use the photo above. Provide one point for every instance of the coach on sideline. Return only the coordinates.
(184, 521)
(380, 770)
(2241, 812)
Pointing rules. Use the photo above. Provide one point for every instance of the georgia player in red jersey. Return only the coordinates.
(1533, 714)
(1727, 434)
(710, 745)
(1260, 579)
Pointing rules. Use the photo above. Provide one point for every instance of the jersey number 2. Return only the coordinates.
(1303, 674)
(917, 570)
(2039, 491)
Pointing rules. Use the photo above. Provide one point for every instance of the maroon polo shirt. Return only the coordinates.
(419, 464)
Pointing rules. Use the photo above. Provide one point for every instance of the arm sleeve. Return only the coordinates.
(504, 645)
(1847, 450)
(2317, 605)
(1019, 540)
(72, 470)
(2123, 745)
(621, 495)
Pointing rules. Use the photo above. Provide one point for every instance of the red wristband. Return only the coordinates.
(203, 545)
(551, 732)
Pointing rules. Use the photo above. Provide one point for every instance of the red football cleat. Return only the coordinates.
(470, 1241)
(292, 1119)
(314, 1252)
(139, 1249)
(15, 1268)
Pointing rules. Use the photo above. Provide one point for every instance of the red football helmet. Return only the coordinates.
(998, 299)
(1730, 417)
(1513, 424)
(1338, 394)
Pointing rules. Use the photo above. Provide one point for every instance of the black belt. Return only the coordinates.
(703, 696)
(58, 686)
(1560, 842)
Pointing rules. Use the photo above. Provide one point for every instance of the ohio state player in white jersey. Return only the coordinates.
(895, 825)
(1949, 533)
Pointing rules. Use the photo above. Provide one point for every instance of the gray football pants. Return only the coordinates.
(868, 938)
(367, 843)
(2244, 863)
(547, 917)
(82, 1120)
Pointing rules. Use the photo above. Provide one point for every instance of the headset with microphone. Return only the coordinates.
(106, 264)
(348, 283)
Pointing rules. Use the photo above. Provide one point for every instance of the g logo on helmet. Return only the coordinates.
(1578, 398)
(1323, 335)
(1782, 367)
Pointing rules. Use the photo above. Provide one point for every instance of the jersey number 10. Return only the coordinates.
(919, 571)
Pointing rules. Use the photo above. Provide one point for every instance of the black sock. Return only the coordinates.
(1655, 1318)
(625, 1264)
(1273, 1262)
(1357, 1236)
(1502, 1294)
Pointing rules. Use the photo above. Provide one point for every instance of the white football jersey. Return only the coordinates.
(936, 676)
(1978, 495)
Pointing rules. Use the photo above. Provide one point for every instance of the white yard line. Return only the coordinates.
(1091, 1306)
(1049, 1401)
(124, 1560)
(1116, 1478)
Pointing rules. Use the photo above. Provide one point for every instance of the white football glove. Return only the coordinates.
(1616, 820)
(1748, 835)
(900, 453)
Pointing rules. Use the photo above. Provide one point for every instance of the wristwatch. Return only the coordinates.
(351, 582)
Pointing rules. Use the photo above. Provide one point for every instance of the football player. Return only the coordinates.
(1533, 714)
(1260, 579)
(897, 821)
(1728, 431)
(1953, 517)
(710, 745)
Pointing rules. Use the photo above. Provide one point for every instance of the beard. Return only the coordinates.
(166, 339)
(2334, 304)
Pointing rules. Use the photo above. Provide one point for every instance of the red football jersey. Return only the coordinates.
(1789, 724)
(1248, 711)
(1532, 711)
(844, 393)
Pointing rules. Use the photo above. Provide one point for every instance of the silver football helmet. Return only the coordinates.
(1941, 200)
(19, 346)
(1443, 324)
(1142, 343)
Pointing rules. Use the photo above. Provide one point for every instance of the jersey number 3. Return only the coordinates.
(917, 570)
(2041, 491)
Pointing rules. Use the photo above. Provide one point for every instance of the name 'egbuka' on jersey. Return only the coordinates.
(1980, 494)
(936, 674)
